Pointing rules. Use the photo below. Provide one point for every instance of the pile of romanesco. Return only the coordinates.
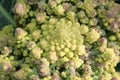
(61, 40)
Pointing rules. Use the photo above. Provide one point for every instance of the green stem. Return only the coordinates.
(7, 16)
(12, 4)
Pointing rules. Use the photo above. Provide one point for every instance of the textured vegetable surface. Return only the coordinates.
(61, 40)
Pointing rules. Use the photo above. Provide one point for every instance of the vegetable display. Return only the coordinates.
(61, 40)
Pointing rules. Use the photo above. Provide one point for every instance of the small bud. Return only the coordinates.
(52, 3)
(114, 27)
(36, 52)
(43, 67)
(59, 10)
(6, 66)
(20, 33)
(44, 71)
(56, 76)
(30, 45)
(114, 78)
(92, 36)
(34, 77)
(6, 50)
(41, 17)
(102, 41)
(20, 9)
(66, 6)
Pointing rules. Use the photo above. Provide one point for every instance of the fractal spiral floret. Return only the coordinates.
(61, 40)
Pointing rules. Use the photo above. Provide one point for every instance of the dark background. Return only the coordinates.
(8, 5)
